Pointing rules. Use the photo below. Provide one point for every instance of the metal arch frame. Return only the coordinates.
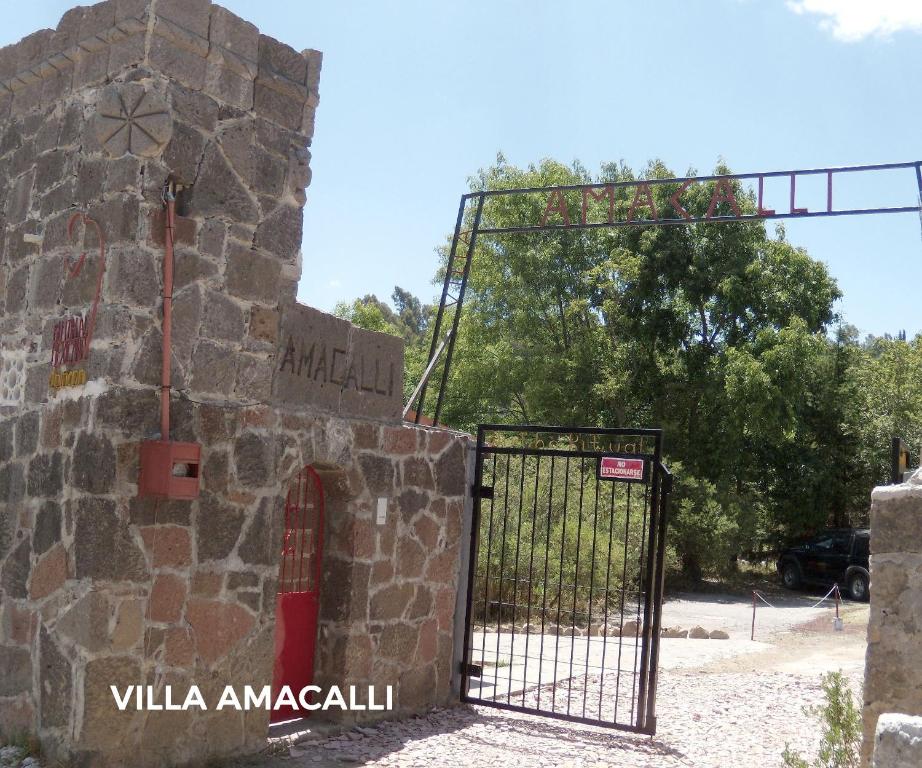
(454, 285)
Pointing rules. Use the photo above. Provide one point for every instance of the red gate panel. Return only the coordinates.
(298, 599)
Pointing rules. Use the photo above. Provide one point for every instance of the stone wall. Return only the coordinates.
(893, 674)
(99, 587)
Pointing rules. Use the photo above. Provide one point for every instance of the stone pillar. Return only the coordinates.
(893, 668)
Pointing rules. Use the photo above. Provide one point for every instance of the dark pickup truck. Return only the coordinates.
(838, 556)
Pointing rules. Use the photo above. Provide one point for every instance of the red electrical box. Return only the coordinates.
(169, 469)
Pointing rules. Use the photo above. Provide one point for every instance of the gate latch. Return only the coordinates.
(470, 670)
(483, 491)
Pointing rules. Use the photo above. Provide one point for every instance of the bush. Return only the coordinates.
(841, 744)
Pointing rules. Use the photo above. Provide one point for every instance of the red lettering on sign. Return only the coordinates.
(556, 202)
(723, 193)
(674, 199)
(608, 192)
(644, 190)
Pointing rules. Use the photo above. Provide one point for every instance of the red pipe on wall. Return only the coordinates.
(170, 218)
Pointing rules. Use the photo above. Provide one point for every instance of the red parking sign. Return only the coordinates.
(624, 467)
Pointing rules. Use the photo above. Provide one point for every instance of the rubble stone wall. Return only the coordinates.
(893, 675)
(99, 587)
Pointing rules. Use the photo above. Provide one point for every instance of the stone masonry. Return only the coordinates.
(99, 587)
(893, 677)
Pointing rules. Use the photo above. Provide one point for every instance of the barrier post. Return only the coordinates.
(753, 635)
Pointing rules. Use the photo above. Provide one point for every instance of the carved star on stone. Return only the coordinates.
(129, 118)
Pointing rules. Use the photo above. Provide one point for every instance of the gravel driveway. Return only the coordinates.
(721, 703)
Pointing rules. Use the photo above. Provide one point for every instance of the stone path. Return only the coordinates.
(720, 704)
(706, 720)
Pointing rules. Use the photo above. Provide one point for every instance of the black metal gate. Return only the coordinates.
(565, 583)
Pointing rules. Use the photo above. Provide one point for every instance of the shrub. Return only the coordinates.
(841, 720)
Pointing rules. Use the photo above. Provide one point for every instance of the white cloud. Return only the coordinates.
(851, 20)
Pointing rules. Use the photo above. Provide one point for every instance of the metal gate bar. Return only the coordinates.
(602, 545)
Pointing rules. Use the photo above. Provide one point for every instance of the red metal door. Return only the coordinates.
(298, 599)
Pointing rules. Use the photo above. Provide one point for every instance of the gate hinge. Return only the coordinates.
(470, 670)
(482, 491)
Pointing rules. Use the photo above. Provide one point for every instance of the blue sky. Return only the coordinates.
(416, 96)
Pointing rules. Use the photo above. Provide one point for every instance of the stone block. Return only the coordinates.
(218, 526)
(184, 153)
(898, 741)
(193, 107)
(51, 168)
(212, 234)
(223, 318)
(896, 517)
(451, 471)
(391, 602)
(253, 381)
(105, 727)
(93, 463)
(191, 15)
(213, 368)
(262, 541)
(46, 475)
(119, 220)
(27, 427)
(54, 683)
(251, 275)
(86, 622)
(129, 625)
(207, 583)
(19, 200)
(220, 192)
(103, 545)
(272, 104)
(124, 174)
(15, 572)
(264, 324)
(217, 627)
(411, 558)
(170, 546)
(15, 671)
(227, 84)
(280, 232)
(167, 598)
(234, 34)
(417, 689)
(254, 459)
(6, 440)
(49, 573)
(177, 60)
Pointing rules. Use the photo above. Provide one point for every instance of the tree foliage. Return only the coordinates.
(722, 334)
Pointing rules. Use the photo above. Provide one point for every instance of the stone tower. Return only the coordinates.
(122, 105)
